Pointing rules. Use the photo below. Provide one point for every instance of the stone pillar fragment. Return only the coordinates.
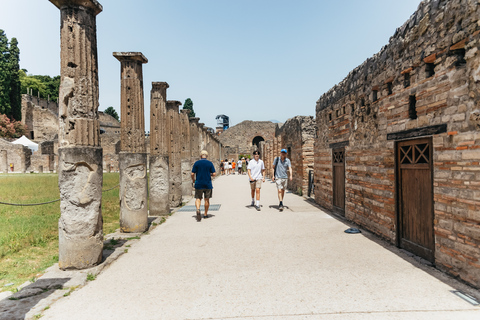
(133, 157)
(194, 140)
(186, 154)
(80, 155)
(159, 186)
(3, 161)
(174, 154)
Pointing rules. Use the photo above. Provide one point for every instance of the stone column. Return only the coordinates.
(159, 203)
(174, 155)
(194, 140)
(80, 169)
(201, 136)
(3, 161)
(133, 156)
(186, 154)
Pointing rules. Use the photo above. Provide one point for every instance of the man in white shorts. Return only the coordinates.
(256, 175)
(280, 166)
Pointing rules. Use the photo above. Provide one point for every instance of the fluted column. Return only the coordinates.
(133, 156)
(80, 169)
(173, 125)
(185, 153)
(159, 186)
(194, 140)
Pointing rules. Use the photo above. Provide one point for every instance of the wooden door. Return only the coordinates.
(415, 197)
(338, 161)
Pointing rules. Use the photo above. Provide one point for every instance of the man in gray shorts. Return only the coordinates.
(202, 173)
(280, 166)
(256, 175)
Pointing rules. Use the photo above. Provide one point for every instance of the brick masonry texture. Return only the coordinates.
(428, 75)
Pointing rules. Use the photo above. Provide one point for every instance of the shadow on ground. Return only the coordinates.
(20, 303)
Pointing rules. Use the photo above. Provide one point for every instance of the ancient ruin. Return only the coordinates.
(174, 152)
(133, 156)
(159, 185)
(186, 154)
(80, 154)
(397, 140)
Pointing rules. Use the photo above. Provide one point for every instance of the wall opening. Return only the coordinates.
(429, 70)
(256, 142)
(412, 107)
(460, 54)
(406, 80)
(375, 95)
(389, 88)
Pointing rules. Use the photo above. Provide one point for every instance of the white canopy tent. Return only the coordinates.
(27, 143)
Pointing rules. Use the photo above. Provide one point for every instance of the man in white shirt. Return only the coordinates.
(239, 166)
(256, 175)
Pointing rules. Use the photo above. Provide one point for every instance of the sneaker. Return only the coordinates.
(205, 217)
(252, 204)
(199, 216)
(257, 207)
(280, 207)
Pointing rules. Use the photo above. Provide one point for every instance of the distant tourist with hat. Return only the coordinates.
(256, 174)
(282, 165)
(202, 173)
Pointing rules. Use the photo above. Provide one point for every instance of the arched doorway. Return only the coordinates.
(256, 142)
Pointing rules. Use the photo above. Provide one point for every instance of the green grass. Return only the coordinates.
(29, 235)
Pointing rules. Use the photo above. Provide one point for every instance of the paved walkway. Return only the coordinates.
(244, 264)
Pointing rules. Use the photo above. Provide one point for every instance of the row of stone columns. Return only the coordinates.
(175, 142)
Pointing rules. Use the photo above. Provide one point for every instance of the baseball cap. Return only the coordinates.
(283, 150)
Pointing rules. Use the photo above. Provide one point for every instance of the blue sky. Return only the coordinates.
(251, 60)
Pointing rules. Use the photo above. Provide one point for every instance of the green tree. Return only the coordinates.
(188, 105)
(15, 87)
(30, 82)
(45, 86)
(4, 74)
(112, 112)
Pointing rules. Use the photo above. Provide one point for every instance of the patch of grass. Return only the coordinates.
(113, 242)
(37, 316)
(133, 238)
(29, 235)
(126, 250)
(46, 308)
(70, 290)
(128, 246)
(91, 277)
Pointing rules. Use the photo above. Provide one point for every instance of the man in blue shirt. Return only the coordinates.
(204, 171)
(280, 166)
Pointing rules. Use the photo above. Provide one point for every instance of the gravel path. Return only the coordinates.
(244, 264)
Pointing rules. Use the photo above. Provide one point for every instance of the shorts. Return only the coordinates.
(199, 193)
(257, 184)
(281, 183)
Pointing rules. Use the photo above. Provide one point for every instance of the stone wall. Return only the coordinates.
(297, 136)
(41, 118)
(16, 155)
(424, 83)
(239, 138)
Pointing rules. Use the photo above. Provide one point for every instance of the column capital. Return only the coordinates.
(90, 4)
(173, 104)
(126, 56)
(185, 111)
(159, 85)
(194, 119)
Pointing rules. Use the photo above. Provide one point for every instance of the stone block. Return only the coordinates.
(159, 187)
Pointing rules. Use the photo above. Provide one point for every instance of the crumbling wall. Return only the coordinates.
(16, 155)
(424, 83)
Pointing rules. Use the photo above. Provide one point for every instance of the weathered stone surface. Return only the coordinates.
(80, 164)
(3, 161)
(133, 192)
(159, 186)
(80, 225)
(158, 119)
(174, 152)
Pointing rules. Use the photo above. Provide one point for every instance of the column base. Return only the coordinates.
(159, 187)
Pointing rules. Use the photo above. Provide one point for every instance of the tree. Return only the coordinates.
(188, 105)
(4, 74)
(11, 128)
(45, 86)
(112, 112)
(15, 87)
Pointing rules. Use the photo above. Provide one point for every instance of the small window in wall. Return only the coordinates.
(460, 54)
(32, 136)
(330, 116)
(412, 107)
(352, 108)
(429, 70)
(343, 109)
(375, 95)
(338, 113)
(289, 150)
(362, 103)
(406, 80)
(389, 88)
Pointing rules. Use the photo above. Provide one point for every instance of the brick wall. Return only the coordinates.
(424, 83)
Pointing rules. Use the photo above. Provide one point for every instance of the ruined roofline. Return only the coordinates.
(157, 84)
(89, 4)
(397, 39)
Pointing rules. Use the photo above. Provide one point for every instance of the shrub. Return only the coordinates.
(11, 128)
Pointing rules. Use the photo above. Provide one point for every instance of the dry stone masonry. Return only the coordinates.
(133, 156)
(80, 154)
(398, 140)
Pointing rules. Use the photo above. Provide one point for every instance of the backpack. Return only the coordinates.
(275, 163)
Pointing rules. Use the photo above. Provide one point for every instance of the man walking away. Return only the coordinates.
(239, 166)
(256, 174)
(280, 166)
(204, 171)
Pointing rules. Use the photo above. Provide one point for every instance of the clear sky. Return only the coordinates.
(248, 59)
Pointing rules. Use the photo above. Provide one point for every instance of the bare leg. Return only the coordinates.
(207, 205)
(258, 194)
(253, 193)
(198, 202)
(280, 194)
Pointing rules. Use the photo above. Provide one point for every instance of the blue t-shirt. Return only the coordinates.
(203, 169)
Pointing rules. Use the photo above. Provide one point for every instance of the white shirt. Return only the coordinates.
(256, 168)
(239, 163)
